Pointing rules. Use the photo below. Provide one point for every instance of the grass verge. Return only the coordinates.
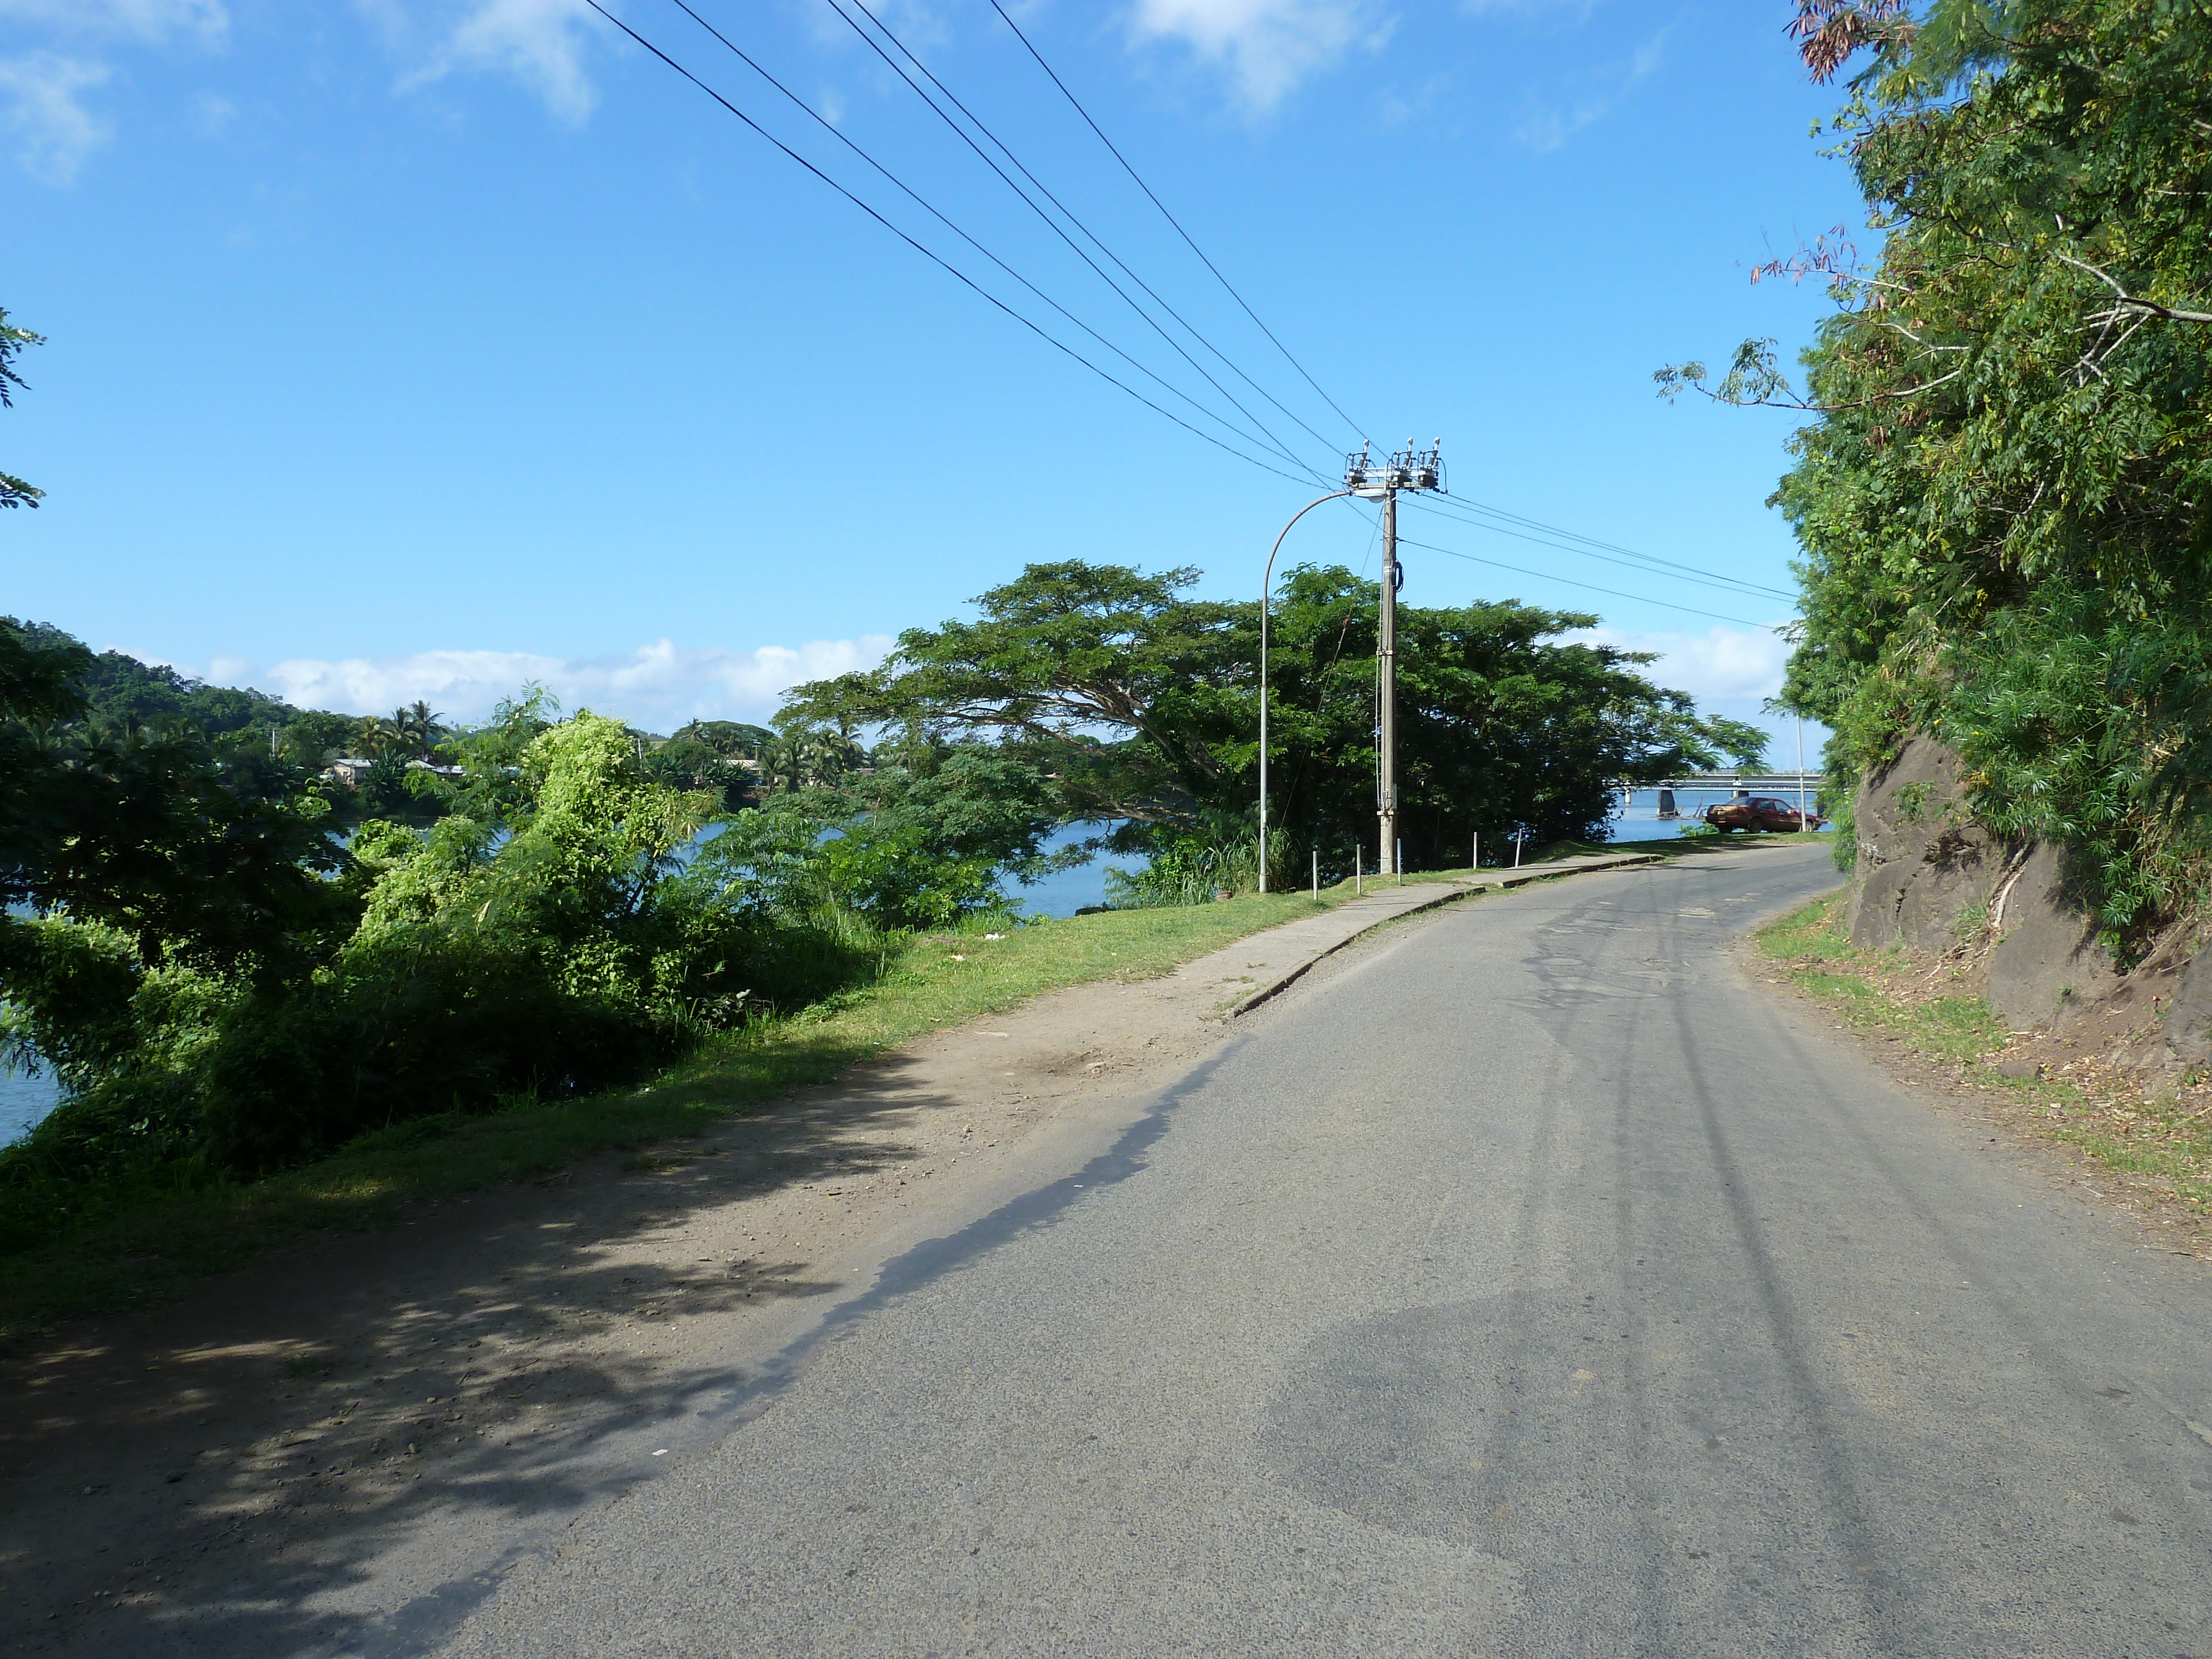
(2161, 1139)
(130, 1244)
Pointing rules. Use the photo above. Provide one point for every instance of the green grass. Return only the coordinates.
(2167, 1137)
(130, 1244)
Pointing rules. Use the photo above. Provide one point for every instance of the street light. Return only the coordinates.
(1266, 586)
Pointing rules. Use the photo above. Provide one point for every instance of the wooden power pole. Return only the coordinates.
(1410, 469)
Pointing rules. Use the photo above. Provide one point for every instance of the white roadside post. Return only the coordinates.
(1801, 775)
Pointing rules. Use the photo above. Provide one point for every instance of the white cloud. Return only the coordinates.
(152, 22)
(1729, 671)
(1267, 47)
(539, 42)
(50, 130)
(213, 114)
(1735, 665)
(1580, 9)
(1548, 125)
(1397, 108)
(659, 686)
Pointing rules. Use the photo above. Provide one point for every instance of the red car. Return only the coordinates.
(1767, 812)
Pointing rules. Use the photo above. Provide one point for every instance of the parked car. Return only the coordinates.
(1767, 812)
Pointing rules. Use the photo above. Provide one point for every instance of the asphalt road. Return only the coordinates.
(1528, 1284)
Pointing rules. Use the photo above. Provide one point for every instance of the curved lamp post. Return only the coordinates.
(1266, 586)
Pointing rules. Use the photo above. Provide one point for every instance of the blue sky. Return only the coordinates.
(416, 347)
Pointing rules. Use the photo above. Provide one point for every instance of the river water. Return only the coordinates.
(23, 1102)
(1636, 813)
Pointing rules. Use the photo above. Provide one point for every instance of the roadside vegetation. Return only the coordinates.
(291, 968)
(94, 1246)
(1141, 705)
(2161, 1141)
(2001, 495)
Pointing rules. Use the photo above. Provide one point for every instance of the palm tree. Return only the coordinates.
(373, 735)
(417, 727)
(782, 765)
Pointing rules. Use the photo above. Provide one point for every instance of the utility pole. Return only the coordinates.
(1408, 469)
(1386, 688)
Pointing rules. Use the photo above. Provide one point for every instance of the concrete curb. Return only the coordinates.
(1498, 882)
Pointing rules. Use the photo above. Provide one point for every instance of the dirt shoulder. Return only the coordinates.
(2071, 1103)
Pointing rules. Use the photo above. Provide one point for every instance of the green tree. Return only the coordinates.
(686, 762)
(495, 786)
(1140, 705)
(313, 737)
(148, 831)
(732, 739)
(922, 849)
(13, 491)
(415, 730)
(373, 735)
(2004, 496)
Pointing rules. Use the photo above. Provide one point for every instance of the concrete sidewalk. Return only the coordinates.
(1256, 968)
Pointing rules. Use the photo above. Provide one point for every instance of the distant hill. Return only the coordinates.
(122, 687)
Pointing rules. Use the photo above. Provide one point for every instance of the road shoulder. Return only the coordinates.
(2082, 1127)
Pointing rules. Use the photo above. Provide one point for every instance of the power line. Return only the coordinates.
(1725, 584)
(1280, 448)
(1073, 218)
(1545, 575)
(1357, 430)
(936, 259)
(1647, 559)
(830, 127)
(1708, 578)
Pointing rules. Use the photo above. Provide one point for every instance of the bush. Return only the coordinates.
(1192, 870)
(569, 952)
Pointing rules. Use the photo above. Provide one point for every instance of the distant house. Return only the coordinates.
(353, 771)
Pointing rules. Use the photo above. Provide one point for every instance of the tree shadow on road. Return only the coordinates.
(255, 1469)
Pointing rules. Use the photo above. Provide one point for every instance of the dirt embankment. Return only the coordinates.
(1972, 968)
(2008, 915)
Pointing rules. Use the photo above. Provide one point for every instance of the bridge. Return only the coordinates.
(1751, 783)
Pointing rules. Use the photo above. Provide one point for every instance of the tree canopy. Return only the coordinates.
(1140, 705)
(2003, 497)
(14, 491)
